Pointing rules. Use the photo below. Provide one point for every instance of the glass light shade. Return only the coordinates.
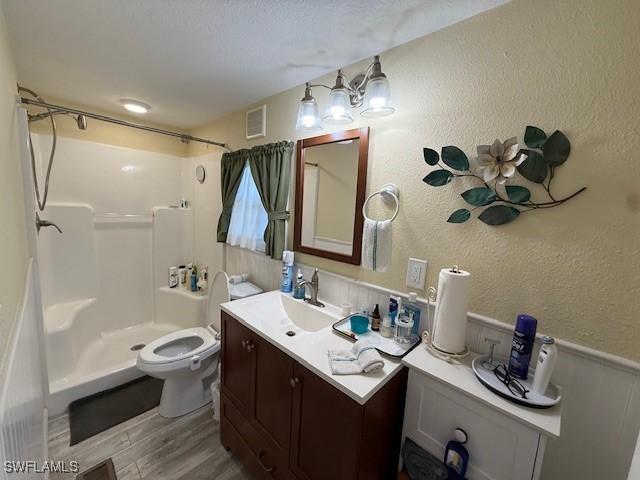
(339, 107)
(377, 98)
(308, 115)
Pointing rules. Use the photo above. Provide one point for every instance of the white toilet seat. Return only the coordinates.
(151, 360)
(187, 360)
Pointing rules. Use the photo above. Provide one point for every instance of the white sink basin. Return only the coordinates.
(304, 316)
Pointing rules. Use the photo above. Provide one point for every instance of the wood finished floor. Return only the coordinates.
(152, 447)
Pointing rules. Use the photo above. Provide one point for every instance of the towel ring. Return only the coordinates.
(389, 193)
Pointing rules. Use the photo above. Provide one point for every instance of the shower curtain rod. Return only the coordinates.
(103, 118)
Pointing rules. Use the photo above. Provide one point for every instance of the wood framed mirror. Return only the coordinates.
(331, 180)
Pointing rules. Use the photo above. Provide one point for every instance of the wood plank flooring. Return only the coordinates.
(151, 447)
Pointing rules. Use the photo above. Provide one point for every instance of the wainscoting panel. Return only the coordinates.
(22, 414)
(601, 392)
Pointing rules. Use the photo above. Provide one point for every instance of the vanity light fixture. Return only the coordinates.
(134, 106)
(308, 116)
(369, 91)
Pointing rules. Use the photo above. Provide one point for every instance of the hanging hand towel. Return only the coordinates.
(376, 245)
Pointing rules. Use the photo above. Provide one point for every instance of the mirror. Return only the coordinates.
(331, 177)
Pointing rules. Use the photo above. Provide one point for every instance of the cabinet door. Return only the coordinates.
(271, 408)
(327, 428)
(238, 347)
(500, 447)
(273, 394)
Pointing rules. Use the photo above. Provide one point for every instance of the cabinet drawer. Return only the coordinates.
(233, 415)
(499, 448)
(232, 440)
(264, 458)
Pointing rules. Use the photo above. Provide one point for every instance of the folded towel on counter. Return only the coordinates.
(361, 358)
(376, 245)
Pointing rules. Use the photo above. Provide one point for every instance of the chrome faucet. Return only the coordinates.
(313, 288)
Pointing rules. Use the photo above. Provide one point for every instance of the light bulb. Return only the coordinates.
(134, 105)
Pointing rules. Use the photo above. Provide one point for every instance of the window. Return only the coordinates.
(248, 217)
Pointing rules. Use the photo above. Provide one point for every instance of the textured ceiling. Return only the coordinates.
(195, 60)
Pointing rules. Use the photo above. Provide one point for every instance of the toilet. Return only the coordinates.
(187, 360)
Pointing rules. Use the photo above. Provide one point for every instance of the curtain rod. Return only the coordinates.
(103, 118)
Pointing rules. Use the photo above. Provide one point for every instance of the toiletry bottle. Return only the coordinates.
(386, 329)
(173, 277)
(298, 291)
(411, 308)
(546, 361)
(203, 281)
(393, 308)
(375, 319)
(193, 280)
(522, 345)
(286, 284)
(182, 275)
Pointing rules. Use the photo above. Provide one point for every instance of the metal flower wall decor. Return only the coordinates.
(500, 200)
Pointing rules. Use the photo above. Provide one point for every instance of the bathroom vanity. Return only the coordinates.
(282, 412)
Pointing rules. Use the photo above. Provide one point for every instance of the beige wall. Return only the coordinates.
(571, 65)
(13, 241)
(337, 178)
(110, 133)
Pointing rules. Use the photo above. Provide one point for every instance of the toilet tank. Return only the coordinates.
(222, 291)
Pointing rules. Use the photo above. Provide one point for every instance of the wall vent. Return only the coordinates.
(256, 125)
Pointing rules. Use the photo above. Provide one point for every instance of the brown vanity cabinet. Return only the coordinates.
(285, 422)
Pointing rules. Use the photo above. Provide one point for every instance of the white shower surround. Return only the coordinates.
(104, 279)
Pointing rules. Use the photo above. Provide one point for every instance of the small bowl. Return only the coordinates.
(359, 324)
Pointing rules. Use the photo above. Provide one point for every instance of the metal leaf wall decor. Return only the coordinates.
(499, 200)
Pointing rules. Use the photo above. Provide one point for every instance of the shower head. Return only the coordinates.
(81, 120)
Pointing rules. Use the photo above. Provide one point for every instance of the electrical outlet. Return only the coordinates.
(416, 273)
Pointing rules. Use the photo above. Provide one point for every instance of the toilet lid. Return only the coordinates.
(180, 345)
(243, 290)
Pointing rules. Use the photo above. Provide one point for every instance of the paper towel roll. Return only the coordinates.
(450, 320)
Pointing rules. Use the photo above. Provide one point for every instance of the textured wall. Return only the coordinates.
(13, 242)
(571, 65)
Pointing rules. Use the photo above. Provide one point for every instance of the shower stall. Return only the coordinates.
(104, 278)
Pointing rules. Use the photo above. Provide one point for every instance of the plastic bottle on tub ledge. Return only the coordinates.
(522, 346)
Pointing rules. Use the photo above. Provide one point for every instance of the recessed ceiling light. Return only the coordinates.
(134, 105)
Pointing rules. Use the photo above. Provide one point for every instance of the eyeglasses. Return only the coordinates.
(512, 384)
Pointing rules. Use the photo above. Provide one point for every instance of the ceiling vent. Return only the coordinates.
(256, 125)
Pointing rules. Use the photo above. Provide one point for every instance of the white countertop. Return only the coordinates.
(460, 376)
(264, 315)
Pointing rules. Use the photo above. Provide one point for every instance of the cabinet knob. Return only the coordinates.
(250, 347)
(245, 343)
(294, 381)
